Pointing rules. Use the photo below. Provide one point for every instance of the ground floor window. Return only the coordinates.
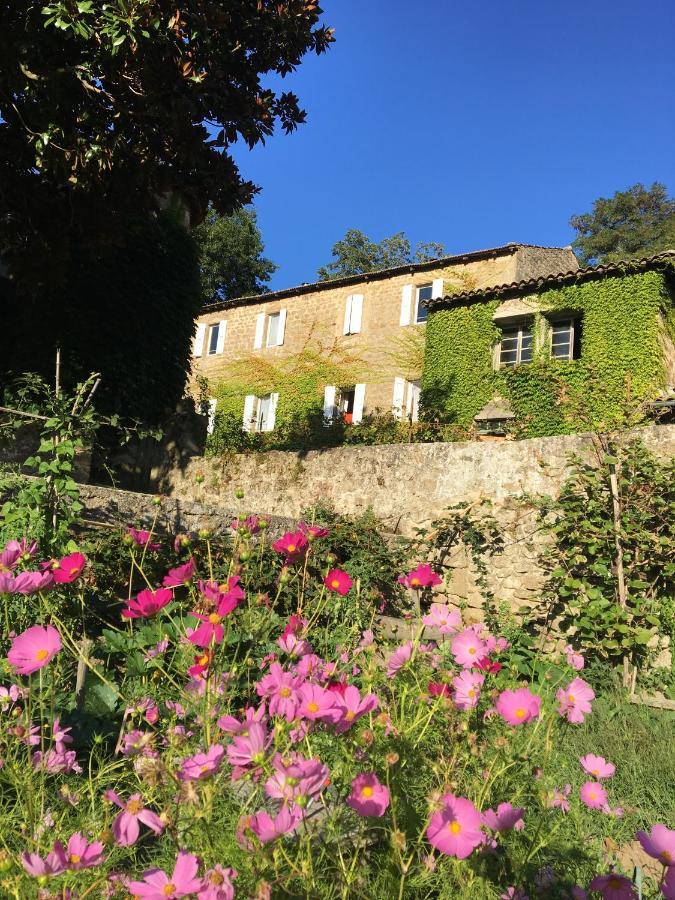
(260, 412)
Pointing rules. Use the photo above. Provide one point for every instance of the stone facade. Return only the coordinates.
(409, 485)
(382, 346)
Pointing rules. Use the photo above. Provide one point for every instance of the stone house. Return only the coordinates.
(549, 354)
(367, 332)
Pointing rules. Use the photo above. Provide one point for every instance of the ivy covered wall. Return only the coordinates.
(621, 360)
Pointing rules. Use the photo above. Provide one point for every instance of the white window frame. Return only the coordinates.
(412, 402)
(353, 314)
(522, 329)
(277, 318)
(428, 286)
(211, 347)
(573, 324)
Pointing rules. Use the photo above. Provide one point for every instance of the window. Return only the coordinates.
(353, 312)
(213, 338)
(566, 339)
(346, 404)
(273, 330)
(412, 406)
(516, 345)
(424, 292)
(260, 412)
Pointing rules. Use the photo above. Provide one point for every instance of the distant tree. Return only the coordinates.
(356, 254)
(634, 222)
(231, 261)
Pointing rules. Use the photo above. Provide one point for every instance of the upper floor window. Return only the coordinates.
(353, 312)
(566, 339)
(515, 346)
(270, 329)
(214, 331)
(424, 292)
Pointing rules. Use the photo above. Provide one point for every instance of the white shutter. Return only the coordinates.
(346, 328)
(222, 331)
(436, 288)
(359, 397)
(198, 340)
(259, 329)
(211, 416)
(406, 304)
(249, 407)
(329, 409)
(274, 399)
(357, 307)
(397, 403)
(282, 327)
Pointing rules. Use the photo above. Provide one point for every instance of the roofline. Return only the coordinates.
(659, 261)
(377, 275)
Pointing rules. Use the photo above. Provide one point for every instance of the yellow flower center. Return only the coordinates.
(335, 583)
(285, 692)
(666, 857)
(471, 693)
(41, 654)
(366, 791)
(291, 548)
(570, 697)
(169, 889)
(214, 618)
(472, 650)
(454, 827)
(519, 713)
(614, 883)
(216, 878)
(349, 715)
(74, 570)
(74, 858)
(592, 795)
(134, 807)
(595, 772)
(204, 768)
(313, 707)
(203, 660)
(414, 581)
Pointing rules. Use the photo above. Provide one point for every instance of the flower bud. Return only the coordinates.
(204, 534)
(239, 494)
(245, 555)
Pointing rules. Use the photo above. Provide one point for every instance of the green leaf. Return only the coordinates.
(100, 699)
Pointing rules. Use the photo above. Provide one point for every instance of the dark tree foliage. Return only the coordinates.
(231, 261)
(107, 109)
(355, 254)
(634, 222)
(143, 359)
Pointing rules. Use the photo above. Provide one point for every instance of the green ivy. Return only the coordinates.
(621, 360)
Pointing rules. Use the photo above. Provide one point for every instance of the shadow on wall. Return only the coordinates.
(144, 464)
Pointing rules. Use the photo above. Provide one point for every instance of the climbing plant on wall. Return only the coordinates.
(624, 320)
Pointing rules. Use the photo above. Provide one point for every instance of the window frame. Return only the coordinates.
(212, 346)
(259, 411)
(430, 287)
(270, 316)
(523, 328)
(574, 331)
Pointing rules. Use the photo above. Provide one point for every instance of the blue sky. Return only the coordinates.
(469, 123)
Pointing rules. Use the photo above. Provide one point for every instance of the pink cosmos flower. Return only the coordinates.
(513, 893)
(309, 665)
(202, 765)
(351, 707)
(421, 577)
(574, 659)
(504, 818)
(282, 690)
(81, 854)
(442, 617)
(56, 761)
(293, 645)
(292, 544)
(69, 568)
(313, 532)
(201, 664)
(211, 629)
(31, 582)
(613, 887)
(268, 829)
(249, 749)
(296, 780)
(180, 576)
(575, 700)
(142, 539)
(233, 726)
(55, 862)
(147, 603)
(125, 827)
(558, 799)
(159, 648)
(518, 707)
(10, 556)
(338, 581)
(316, 703)
(157, 885)
(399, 658)
(438, 689)
(468, 648)
(33, 649)
(248, 526)
(217, 884)
(368, 796)
(659, 843)
(467, 687)
(597, 766)
(593, 794)
(668, 884)
(455, 829)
